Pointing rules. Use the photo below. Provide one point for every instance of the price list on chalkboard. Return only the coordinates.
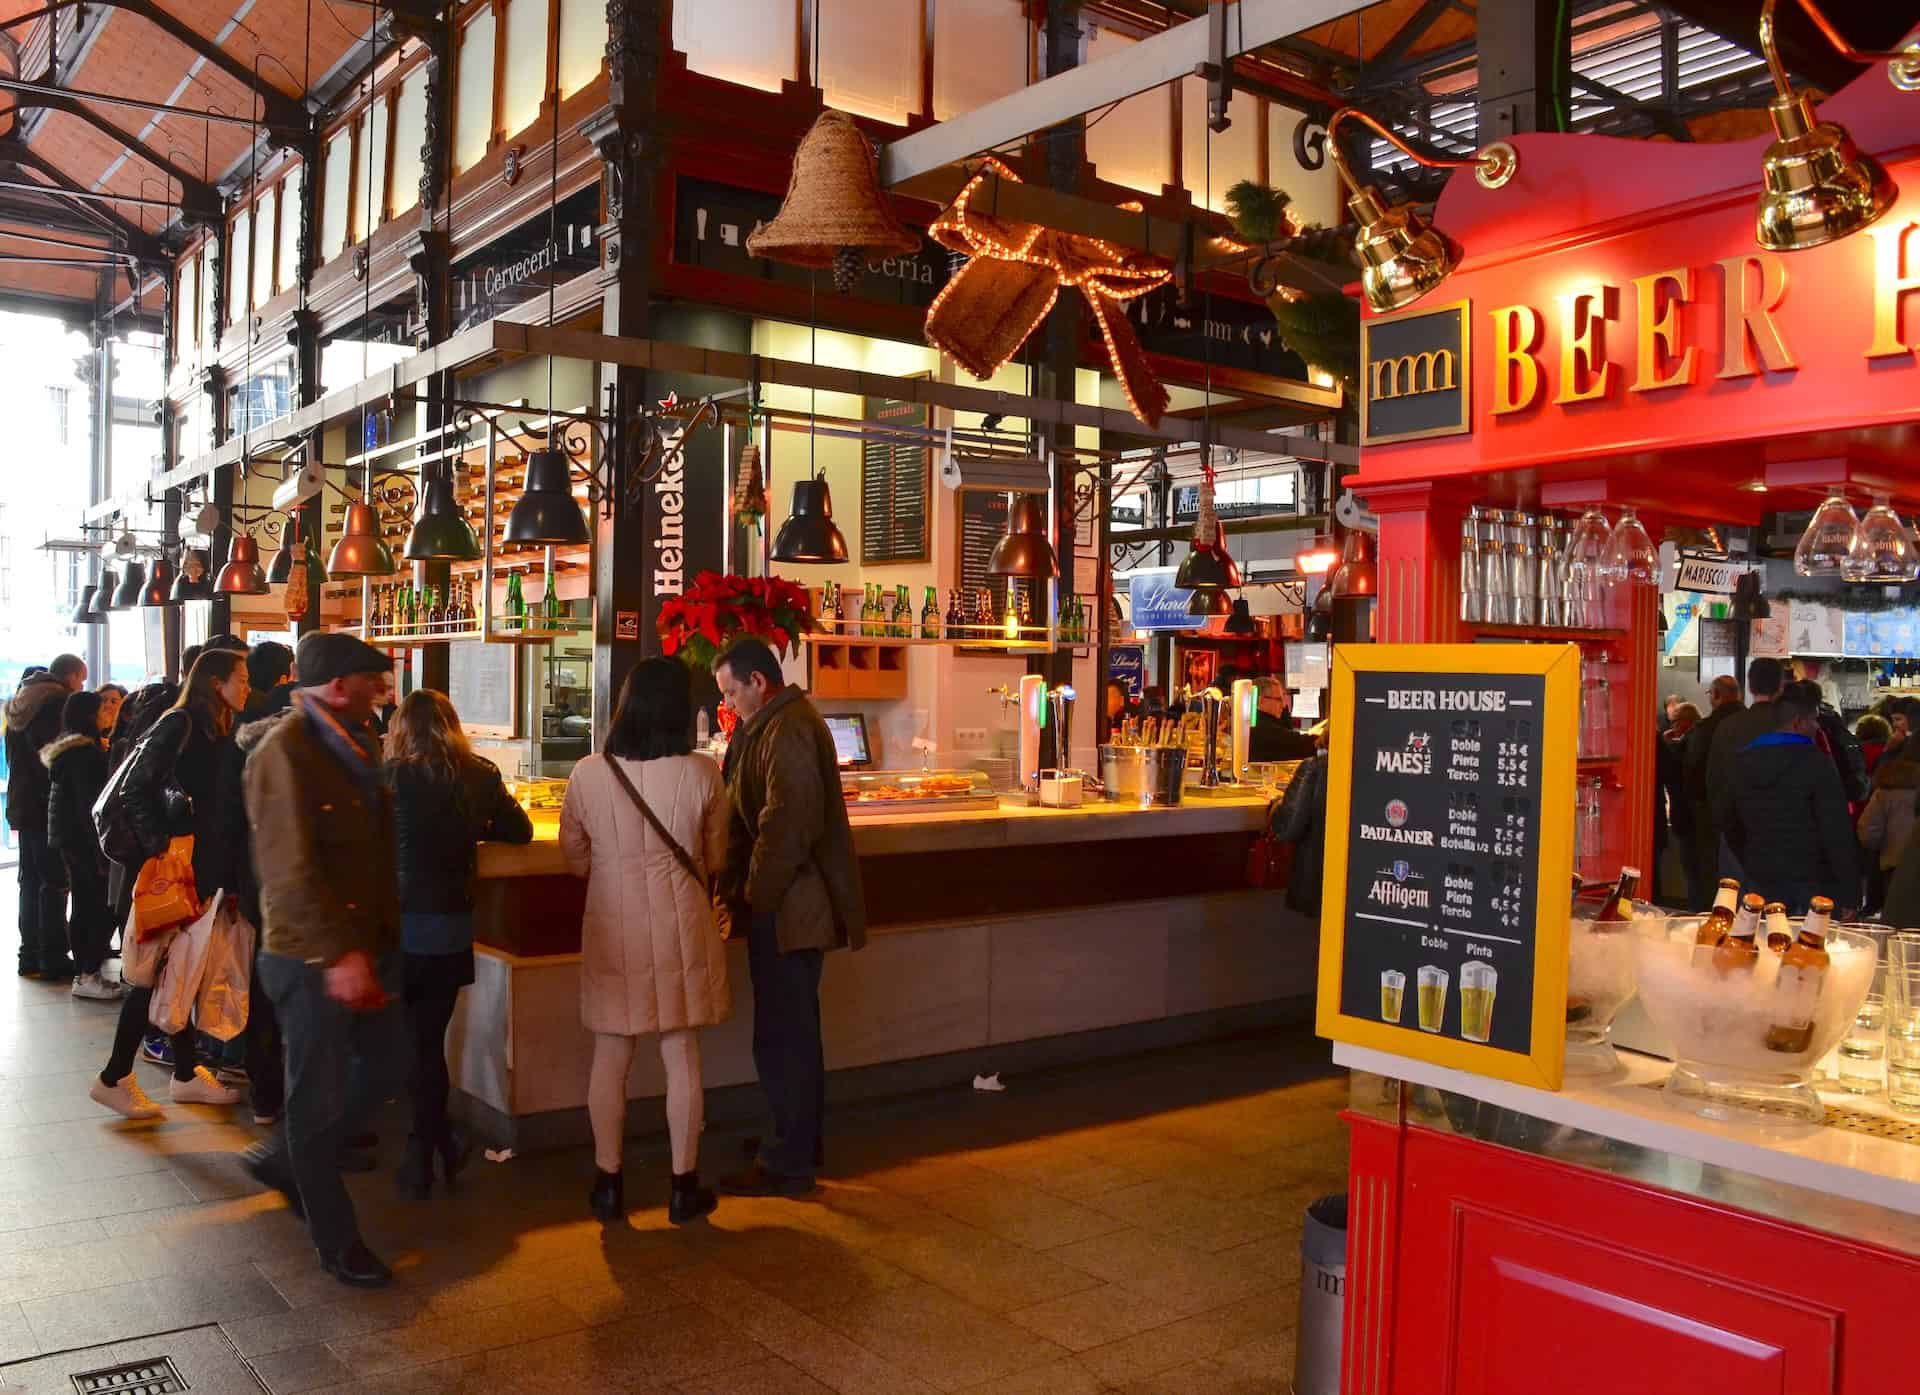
(894, 478)
(1450, 884)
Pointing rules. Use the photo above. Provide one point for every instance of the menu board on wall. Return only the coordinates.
(480, 684)
(1449, 855)
(895, 477)
(983, 522)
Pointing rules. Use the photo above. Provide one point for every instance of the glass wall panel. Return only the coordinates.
(870, 58)
(409, 134)
(526, 83)
(583, 42)
(1235, 152)
(1132, 144)
(372, 169)
(1316, 193)
(473, 96)
(981, 50)
(288, 273)
(337, 190)
(751, 42)
(264, 212)
(239, 266)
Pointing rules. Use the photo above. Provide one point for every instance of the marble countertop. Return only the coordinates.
(1842, 1163)
(1009, 825)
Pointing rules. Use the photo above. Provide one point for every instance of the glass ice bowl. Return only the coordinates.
(1600, 980)
(1718, 1023)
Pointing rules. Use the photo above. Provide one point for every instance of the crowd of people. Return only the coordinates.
(1772, 787)
(344, 830)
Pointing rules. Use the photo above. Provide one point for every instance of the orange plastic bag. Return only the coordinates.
(164, 894)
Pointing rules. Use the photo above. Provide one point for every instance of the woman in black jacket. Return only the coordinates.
(173, 787)
(445, 801)
(76, 764)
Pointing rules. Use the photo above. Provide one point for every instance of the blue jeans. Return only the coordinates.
(786, 1049)
(340, 1065)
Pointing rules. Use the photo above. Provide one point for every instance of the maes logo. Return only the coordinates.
(1415, 759)
(1391, 888)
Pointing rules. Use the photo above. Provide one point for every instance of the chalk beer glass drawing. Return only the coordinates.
(1433, 997)
(1393, 992)
(1477, 984)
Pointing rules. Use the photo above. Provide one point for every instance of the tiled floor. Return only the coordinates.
(1127, 1226)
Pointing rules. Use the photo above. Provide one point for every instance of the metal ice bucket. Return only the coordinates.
(1144, 775)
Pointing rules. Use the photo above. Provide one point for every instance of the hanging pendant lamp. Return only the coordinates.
(103, 594)
(810, 534)
(441, 532)
(84, 613)
(193, 582)
(1207, 565)
(127, 595)
(1240, 622)
(1209, 602)
(1357, 575)
(545, 514)
(1318, 557)
(242, 575)
(159, 588)
(361, 550)
(282, 563)
(1025, 551)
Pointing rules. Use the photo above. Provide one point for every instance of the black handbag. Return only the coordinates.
(119, 838)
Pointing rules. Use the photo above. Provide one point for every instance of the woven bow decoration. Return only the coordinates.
(1014, 274)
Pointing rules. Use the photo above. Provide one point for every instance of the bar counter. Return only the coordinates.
(999, 939)
(1497, 1229)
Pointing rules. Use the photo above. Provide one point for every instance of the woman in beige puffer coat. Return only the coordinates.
(652, 958)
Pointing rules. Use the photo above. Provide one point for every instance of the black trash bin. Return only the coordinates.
(1323, 1289)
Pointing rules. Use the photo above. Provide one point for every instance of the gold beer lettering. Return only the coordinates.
(1890, 287)
(1585, 372)
(1516, 372)
(1748, 321)
(1401, 377)
(1659, 328)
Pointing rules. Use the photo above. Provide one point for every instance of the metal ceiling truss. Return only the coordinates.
(199, 201)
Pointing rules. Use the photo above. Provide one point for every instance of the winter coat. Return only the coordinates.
(33, 720)
(270, 702)
(1741, 729)
(1669, 776)
(652, 959)
(1785, 815)
(789, 843)
(1902, 904)
(438, 820)
(1696, 755)
(1303, 822)
(233, 809)
(1843, 747)
(77, 772)
(172, 788)
(1886, 824)
(323, 844)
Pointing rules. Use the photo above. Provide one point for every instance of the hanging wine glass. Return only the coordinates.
(1883, 548)
(1586, 551)
(1824, 548)
(1631, 558)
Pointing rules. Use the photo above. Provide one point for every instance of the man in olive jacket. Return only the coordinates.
(323, 846)
(792, 878)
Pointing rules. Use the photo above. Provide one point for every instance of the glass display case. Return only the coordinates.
(910, 791)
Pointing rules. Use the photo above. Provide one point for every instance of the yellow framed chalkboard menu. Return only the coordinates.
(1443, 924)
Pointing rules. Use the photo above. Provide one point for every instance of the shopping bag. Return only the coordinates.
(221, 1011)
(178, 987)
(140, 959)
(164, 894)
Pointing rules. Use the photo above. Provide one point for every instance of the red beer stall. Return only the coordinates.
(1627, 342)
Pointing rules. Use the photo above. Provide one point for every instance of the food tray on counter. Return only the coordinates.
(915, 791)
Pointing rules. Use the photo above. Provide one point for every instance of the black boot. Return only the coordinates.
(608, 1199)
(415, 1177)
(689, 1201)
(454, 1149)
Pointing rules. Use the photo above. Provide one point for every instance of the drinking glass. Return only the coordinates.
(1496, 582)
(1477, 984)
(1631, 557)
(1828, 542)
(1393, 993)
(1473, 599)
(1903, 1022)
(1863, 1051)
(1883, 548)
(1586, 552)
(1523, 583)
(1433, 997)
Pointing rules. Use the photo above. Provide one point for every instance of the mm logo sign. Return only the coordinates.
(1416, 374)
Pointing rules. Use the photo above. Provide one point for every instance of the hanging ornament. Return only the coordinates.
(835, 214)
(1207, 566)
(1014, 274)
(749, 488)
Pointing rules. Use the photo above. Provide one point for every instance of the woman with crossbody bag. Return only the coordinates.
(646, 825)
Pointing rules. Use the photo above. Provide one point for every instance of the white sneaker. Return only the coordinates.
(125, 1098)
(97, 988)
(202, 1089)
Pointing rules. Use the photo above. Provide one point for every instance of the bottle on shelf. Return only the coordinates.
(1618, 912)
(1803, 973)
(838, 594)
(930, 616)
(1779, 928)
(436, 615)
(466, 604)
(1718, 924)
(903, 613)
(952, 623)
(1740, 950)
(983, 624)
(1473, 593)
(516, 617)
(552, 610)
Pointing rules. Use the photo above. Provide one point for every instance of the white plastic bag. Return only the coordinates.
(222, 1009)
(140, 959)
(179, 984)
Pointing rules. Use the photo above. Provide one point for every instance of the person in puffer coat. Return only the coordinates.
(652, 959)
(76, 765)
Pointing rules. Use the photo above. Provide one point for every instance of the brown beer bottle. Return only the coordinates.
(1740, 949)
(1618, 912)
(1779, 928)
(1803, 972)
(1719, 920)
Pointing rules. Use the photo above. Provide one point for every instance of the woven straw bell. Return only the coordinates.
(834, 205)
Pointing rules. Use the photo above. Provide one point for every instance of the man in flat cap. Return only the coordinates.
(323, 844)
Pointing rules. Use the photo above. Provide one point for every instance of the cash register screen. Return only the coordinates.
(849, 738)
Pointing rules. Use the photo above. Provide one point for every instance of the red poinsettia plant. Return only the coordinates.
(719, 607)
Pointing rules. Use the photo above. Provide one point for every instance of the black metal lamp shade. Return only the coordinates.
(810, 534)
(1207, 566)
(84, 613)
(194, 581)
(545, 514)
(131, 585)
(441, 533)
(1240, 621)
(1209, 602)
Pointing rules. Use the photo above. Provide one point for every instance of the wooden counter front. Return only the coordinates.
(924, 868)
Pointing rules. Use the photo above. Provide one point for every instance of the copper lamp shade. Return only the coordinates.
(127, 595)
(361, 550)
(1357, 575)
(1404, 255)
(242, 575)
(810, 534)
(545, 514)
(1025, 551)
(194, 582)
(441, 533)
(159, 588)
